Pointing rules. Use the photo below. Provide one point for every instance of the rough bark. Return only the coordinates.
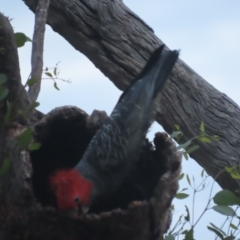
(147, 218)
(13, 185)
(21, 217)
(9, 66)
(37, 48)
(118, 42)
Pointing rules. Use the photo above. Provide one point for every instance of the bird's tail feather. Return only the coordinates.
(138, 104)
(158, 68)
(154, 77)
(156, 71)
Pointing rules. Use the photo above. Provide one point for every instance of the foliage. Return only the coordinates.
(187, 146)
(222, 202)
(53, 74)
(5, 167)
(21, 39)
(25, 139)
(3, 90)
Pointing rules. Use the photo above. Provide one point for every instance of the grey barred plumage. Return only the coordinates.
(116, 146)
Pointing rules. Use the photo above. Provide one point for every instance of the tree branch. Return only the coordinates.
(9, 66)
(37, 48)
(14, 187)
(118, 42)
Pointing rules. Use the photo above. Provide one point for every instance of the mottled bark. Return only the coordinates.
(14, 193)
(142, 219)
(37, 48)
(118, 42)
(9, 66)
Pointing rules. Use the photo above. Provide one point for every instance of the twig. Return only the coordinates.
(209, 199)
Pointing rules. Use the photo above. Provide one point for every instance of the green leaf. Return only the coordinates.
(8, 114)
(233, 226)
(229, 238)
(202, 172)
(33, 105)
(48, 74)
(177, 127)
(31, 81)
(187, 217)
(226, 198)
(202, 127)
(181, 176)
(169, 237)
(225, 210)
(181, 195)
(215, 137)
(55, 71)
(3, 92)
(188, 179)
(25, 138)
(185, 155)
(5, 167)
(184, 189)
(21, 112)
(184, 145)
(175, 134)
(235, 174)
(220, 230)
(229, 169)
(21, 39)
(55, 85)
(205, 139)
(192, 149)
(3, 78)
(188, 234)
(215, 231)
(34, 146)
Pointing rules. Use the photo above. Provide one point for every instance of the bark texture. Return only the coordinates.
(144, 219)
(118, 42)
(23, 218)
(37, 48)
(9, 66)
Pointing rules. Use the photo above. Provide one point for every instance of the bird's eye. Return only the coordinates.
(76, 200)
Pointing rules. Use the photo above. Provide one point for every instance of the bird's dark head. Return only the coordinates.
(71, 189)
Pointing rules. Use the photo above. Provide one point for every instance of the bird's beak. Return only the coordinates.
(84, 209)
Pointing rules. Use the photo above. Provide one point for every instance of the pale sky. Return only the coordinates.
(207, 33)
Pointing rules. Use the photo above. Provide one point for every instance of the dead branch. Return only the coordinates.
(118, 42)
(37, 48)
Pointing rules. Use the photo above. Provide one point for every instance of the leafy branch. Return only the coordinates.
(203, 137)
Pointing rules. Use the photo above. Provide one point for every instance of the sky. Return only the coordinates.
(206, 32)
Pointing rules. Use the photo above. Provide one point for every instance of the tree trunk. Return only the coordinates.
(118, 42)
(22, 217)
